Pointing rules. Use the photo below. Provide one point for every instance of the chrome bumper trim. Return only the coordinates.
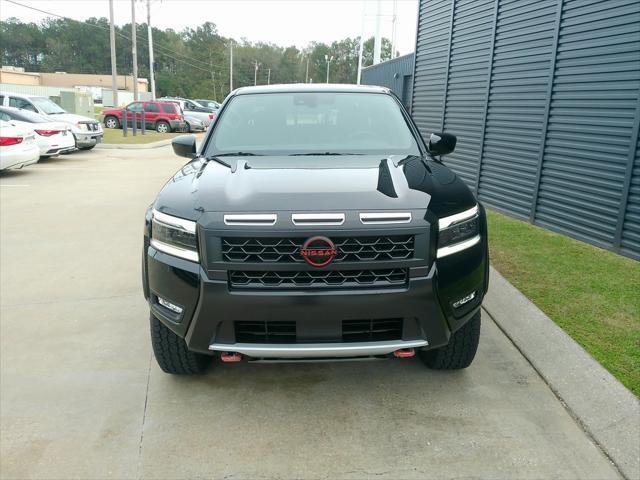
(316, 350)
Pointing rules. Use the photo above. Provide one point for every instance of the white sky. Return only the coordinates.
(283, 22)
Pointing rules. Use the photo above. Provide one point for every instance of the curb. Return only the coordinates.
(605, 408)
(118, 146)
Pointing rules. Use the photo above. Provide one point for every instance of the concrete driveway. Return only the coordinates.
(82, 396)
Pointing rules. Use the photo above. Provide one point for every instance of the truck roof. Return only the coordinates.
(311, 87)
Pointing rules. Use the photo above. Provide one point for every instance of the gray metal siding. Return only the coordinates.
(517, 101)
(389, 74)
(630, 241)
(544, 97)
(467, 82)
(595, 90)
(431, 64)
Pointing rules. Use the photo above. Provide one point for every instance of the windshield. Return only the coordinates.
(27, 116)
(312, 122)
(46, 105)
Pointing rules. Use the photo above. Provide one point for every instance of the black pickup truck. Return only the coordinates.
(314, 223)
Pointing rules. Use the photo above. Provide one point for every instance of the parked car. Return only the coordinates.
(189, 107)
(86, 131)
(53, 138)
(193, 124)
(163, 117)
(18, 147)
(208, 103)
(314, 223)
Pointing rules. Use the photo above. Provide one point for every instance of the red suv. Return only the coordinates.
(163, 117)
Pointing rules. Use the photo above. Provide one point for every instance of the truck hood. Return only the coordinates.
(317, 184)
(71, 118)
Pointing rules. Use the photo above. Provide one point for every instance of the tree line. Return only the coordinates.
(193, 62)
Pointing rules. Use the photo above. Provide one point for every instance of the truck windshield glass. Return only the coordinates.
(46, 105)
(310, 122)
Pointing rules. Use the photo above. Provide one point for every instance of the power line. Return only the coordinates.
(126, 37)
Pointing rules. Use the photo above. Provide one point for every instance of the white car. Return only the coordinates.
(86, 131)
(53, 138)
(18, 147)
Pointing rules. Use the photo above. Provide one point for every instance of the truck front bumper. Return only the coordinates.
(209, 309)
(87, 139)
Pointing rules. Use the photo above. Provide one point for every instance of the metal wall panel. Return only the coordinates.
(391, 74)
(630, 241)
(593, 104)
(469, 66)
(523, 50)
(431, 64)
(544, 96)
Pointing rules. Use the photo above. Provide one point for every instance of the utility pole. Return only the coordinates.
(361, 50)
(150, 35)
(213, 79)
(114, 71)
(328, 59)
(393, 29)
(306, 75)
(377, 46)
(269, 77)
(255, 73)
(134, 50)
(230, 66)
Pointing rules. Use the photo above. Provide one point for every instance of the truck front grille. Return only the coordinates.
(277, 331)
(318, 279)
(287, 250)
(265, 332)
(371, 330)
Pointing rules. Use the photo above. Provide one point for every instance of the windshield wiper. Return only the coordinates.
(314, 154)
(238, 154)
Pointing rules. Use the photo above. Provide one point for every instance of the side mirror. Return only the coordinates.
(442, 143)
(184, 146)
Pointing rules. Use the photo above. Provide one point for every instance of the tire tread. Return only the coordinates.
(459, 352)
(172, 354)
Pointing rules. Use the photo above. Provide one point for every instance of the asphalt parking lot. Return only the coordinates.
(82, 397)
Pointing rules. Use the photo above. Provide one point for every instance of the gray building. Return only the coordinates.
(545, 99)
(396, 74)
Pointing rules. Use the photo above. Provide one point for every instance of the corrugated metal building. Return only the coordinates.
(545, 99)
(396, 74)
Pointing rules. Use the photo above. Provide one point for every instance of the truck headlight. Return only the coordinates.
(174, 236)
(458, 232)
(82, 126)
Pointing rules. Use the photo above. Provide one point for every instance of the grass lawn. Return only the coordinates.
(592, 294)
(115, 136)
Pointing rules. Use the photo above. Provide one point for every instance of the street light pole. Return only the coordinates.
(377, 43)
(114, 71)
(361, 50)
(306, 76)
(269, 77)
(230, 66)
(150, 35)
(134, 50)
(255, 73)
(329, 59)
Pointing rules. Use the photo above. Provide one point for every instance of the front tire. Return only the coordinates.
(111, 122)
(459, 352)
(163, 127)
(172, 354)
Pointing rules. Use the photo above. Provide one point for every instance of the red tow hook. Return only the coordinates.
(229, 357)
(404, 353)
